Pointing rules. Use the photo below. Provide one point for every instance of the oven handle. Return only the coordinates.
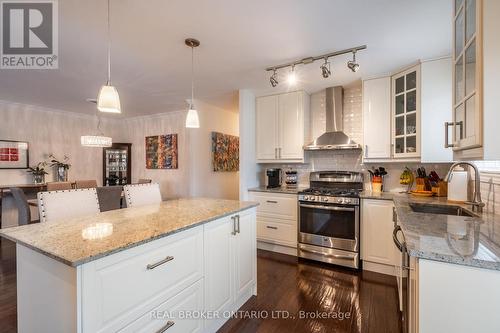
(338, 256)
(343, 209)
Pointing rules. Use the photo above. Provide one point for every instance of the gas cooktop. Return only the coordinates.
(354, 193)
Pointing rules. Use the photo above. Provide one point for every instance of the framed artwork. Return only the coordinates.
(225, 152)
(161, 152)
(14, 154)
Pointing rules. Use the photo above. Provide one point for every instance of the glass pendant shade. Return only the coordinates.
(108, 100)
(192, 119)
(96, 141)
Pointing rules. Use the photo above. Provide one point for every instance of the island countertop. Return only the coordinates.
(470, 241)
(80, 240)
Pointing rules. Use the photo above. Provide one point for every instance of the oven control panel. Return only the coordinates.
(328, 199)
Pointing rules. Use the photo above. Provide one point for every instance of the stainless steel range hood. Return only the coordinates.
(334, 138)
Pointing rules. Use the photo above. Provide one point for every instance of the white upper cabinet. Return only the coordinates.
(377, 118)
(267, 128)
(467, 93)
(282, 127)
(476, 69)
(406, 113)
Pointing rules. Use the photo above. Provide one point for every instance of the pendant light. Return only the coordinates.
(108, 99)
(98, 140)
(192, 119)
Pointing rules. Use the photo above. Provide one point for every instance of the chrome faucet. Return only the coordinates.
(477, 203)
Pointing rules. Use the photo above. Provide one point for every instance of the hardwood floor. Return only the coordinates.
(288, 284)
(284, 284)
(8, 317)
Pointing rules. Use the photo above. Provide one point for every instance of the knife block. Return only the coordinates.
(422, 184)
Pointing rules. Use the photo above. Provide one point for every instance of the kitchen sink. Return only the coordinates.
(441, 209)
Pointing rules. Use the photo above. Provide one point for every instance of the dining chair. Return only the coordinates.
(23, 207)
(85, 183)
(142, 194)
(109, 197)
(144, 181)
(59, 186)
(58, 205)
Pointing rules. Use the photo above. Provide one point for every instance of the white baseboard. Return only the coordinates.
(292, 251)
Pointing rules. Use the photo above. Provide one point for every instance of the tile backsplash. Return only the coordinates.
(348, 160)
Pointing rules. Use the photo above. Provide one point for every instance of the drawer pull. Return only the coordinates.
(271, 227)
(271, 201)
(161, 262)
(166, 327)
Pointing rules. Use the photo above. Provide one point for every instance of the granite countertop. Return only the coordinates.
(469, 241)
(80, 240)
(284, 190)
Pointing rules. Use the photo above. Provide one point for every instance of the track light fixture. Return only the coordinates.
(325, 67)
(274, 79)
(352, 65)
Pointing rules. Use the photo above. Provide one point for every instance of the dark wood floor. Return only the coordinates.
(284, 284)
(8, 317)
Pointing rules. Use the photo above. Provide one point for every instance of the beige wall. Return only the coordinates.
(58, 132)
(49, 131)
(175, 182)
(204, 181)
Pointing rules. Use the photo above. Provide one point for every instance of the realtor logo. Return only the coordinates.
(29, 34)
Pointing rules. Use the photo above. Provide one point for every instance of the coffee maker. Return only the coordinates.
(274, 178)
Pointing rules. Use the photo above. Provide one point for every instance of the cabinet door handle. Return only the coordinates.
(159, 263)
(279, 153)
(166, 327)
(366, 150)
(234, 225)
(447, 125)
(271, 227)
(238, 230)
(276, 153)
(271, 201)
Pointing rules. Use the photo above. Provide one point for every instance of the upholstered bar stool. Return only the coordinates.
(58, 205)
(142, 194)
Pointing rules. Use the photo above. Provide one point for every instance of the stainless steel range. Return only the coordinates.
(329, 218)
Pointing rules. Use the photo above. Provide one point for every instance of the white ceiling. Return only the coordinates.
(239, 39)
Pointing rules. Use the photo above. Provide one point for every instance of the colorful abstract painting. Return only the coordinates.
(225, 152)
(161, 152)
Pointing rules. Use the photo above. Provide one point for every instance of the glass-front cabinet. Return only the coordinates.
(117, 164)
(467, 99)
(406, 113)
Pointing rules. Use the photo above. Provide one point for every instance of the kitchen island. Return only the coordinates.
(181, 265)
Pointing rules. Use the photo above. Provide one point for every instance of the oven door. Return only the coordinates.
(328, 225)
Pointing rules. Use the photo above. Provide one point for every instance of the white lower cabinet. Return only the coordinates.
(172, 316)
(277, 221)
(166, 285)
(230, 266)
(378, 251)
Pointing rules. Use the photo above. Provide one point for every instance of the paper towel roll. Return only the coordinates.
(457, 186)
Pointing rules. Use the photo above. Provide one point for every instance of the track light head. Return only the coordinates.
(325, 69)
(292, 78)
(353, 65)
(274, 79)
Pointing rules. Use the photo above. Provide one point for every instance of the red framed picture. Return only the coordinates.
(14, 154)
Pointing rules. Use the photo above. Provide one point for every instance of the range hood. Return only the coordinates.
(334, 138)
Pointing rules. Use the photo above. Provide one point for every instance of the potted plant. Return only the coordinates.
(61, 167)
(38, 172)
